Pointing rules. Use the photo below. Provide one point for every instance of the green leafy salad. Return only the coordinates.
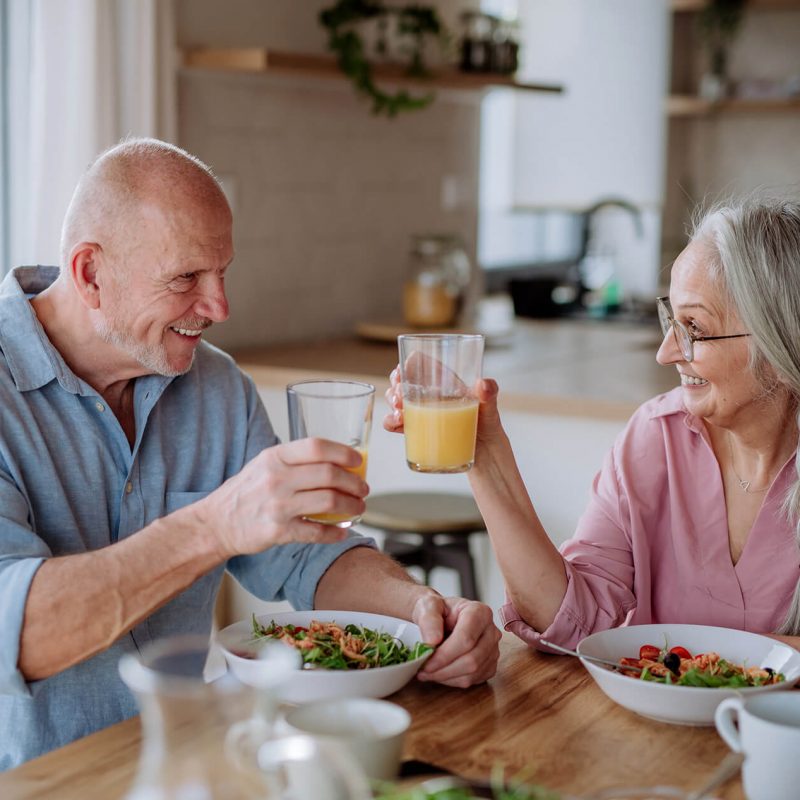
(330, 646)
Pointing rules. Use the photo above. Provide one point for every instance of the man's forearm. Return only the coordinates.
(362, 579)
(79, 605)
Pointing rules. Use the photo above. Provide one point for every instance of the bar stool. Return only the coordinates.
(440, 523)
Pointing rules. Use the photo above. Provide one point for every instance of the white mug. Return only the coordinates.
(372, 730)
(766, 729)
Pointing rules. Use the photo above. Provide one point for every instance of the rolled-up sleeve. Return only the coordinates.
(291, 571)
(21, 554)
(598, 561)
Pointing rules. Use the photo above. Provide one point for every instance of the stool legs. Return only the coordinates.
(429, 553)
(457, 556)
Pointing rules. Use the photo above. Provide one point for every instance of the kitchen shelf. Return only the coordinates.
(692, 106)
(752, 5)
(261, 60)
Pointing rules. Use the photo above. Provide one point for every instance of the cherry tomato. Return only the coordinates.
(681, 652)
(650, 652)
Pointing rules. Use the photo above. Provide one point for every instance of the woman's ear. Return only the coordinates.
(85, 265)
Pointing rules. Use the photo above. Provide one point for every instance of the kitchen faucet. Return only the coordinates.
(586, 233)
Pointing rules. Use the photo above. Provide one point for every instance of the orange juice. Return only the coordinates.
(440, 435)
(338, 519)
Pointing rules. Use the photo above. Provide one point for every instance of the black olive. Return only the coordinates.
(769, 671)
(672, 661)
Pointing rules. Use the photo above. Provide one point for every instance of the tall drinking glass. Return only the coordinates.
(438, 373)
(340, 411)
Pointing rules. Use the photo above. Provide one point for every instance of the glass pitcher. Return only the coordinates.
(215, 741)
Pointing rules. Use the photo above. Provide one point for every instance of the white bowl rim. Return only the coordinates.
(401, 715)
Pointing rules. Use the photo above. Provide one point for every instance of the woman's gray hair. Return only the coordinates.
(755, 252)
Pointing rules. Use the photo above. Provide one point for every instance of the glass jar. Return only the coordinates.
(505, 47)
(476, 42)
(439, 273)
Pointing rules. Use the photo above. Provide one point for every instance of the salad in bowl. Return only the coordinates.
(680, 673)
(339, 653)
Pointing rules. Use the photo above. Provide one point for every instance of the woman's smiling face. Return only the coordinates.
(719, 385)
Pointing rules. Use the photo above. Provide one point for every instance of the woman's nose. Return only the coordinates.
(668, 351)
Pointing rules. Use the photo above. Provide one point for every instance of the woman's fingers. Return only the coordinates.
(393, 421)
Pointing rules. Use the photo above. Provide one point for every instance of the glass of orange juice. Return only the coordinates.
(340, 411)
(438, 373)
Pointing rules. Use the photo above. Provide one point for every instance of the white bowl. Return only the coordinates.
(306, 686)
(685, 705)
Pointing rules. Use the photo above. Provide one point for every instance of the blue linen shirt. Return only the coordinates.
(70, 482)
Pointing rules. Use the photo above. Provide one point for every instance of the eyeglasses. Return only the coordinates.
(683, 338)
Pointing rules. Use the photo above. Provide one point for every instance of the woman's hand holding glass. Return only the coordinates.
(486, 391)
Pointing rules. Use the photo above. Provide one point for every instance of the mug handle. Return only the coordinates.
(726, 718)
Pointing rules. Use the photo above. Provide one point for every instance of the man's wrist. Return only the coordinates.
(197, 523)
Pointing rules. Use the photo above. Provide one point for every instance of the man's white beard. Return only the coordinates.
(151, 357)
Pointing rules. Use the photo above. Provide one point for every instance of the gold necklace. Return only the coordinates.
(745, 485)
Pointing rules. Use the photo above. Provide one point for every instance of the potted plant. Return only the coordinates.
(413, 25)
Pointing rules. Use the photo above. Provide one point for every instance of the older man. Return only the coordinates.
(137, 463)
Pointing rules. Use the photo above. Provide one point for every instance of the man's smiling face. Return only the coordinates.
(168, 287)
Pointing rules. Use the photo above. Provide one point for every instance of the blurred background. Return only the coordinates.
(570, 201)
(523, 168)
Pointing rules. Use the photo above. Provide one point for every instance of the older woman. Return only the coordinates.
(694, 515)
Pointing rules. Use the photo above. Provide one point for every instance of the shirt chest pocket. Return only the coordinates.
(175, 500)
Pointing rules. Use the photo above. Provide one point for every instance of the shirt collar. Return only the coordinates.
(672, 403)
(31, 357)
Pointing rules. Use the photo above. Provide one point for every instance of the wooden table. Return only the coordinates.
(539, 712)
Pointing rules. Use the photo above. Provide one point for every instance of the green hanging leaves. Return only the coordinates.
(413, 21)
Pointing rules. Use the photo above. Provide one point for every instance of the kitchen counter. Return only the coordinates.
(565, 367)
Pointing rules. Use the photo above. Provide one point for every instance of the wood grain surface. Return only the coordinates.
(542, 714)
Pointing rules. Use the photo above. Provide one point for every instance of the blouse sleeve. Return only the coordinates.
(598, 561)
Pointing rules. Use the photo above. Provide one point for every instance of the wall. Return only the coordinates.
(325, 196)
(732, 152)
(603, 137)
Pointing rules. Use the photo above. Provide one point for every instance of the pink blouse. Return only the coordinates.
(653, 544)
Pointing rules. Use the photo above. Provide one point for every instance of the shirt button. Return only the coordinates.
(128, 487)
(99, 406)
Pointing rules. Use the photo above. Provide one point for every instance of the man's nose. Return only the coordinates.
(213, 303)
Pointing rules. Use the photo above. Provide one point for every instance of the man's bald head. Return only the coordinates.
(128, 179)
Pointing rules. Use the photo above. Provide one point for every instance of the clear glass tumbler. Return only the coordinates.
(438, 373)
(340, 411)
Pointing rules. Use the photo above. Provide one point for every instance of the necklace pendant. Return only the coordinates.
(745, 485)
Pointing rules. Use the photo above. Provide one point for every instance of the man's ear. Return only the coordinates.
(85, 265)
